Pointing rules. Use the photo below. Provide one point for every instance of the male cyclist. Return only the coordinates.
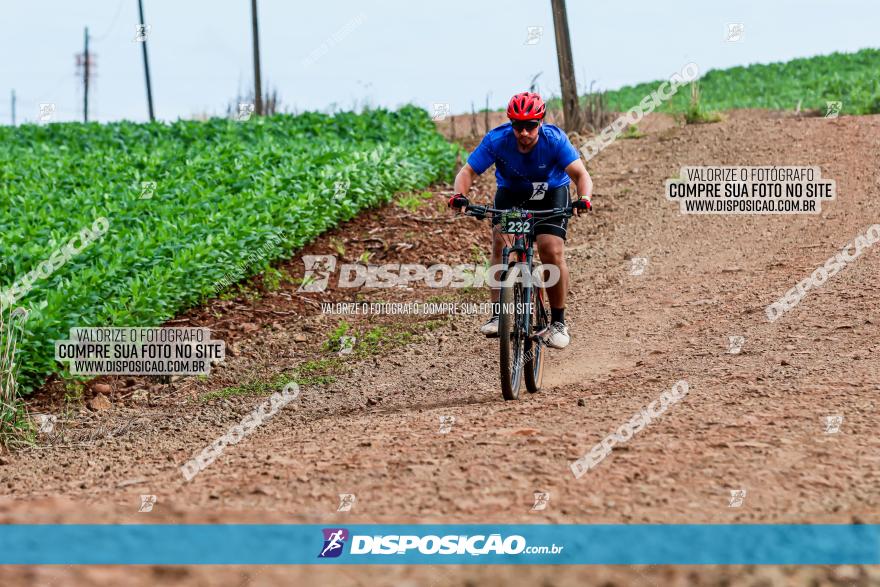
(534, 165)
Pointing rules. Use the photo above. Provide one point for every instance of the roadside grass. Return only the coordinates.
(468, 294)
(334, 341)
(414, 201)
(16, 428)
(241, 291)
(632, 132)
(478, 255)
(306, 374)
(273, 278)
(337, 245)
(74, 394)
(696, 113)
(378, 339)
(325, 370)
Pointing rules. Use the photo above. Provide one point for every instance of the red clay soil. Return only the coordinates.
(753, 420)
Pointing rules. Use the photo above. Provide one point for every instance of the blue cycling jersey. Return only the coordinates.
(543, 166)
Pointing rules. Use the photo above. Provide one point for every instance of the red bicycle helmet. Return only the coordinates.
(526, 106)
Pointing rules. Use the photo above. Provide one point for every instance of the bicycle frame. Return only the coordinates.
(521, 349)
(522, 245)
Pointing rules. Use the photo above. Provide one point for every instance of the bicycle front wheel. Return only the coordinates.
(512, 339)
(534, 349)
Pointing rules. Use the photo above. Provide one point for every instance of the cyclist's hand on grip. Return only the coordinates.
(458, 202)
(583, 204)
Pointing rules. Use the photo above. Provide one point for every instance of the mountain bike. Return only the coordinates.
(524, 308)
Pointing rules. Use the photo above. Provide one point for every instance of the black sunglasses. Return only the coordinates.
(519, 125)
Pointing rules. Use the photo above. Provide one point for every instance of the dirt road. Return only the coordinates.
(368, 424)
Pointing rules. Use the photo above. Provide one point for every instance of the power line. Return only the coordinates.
(112, 24)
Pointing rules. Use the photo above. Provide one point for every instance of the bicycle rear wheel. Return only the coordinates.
(534, 349)
(512, 339)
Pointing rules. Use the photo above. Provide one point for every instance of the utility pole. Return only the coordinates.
(570, 105)
(85, 66)
(474, 130)
(146, 62)
(258, 91)
(486, 117)
(86, 77)
(13, 107)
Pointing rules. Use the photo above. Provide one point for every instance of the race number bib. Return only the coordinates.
(539, 189)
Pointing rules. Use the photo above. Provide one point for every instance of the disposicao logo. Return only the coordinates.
(404, 544)
(334, 541)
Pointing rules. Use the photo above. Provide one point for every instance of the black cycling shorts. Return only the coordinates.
(506, 198)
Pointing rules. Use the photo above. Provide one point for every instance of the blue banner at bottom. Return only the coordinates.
(541, 544)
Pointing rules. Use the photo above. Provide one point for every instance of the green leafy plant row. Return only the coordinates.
(812, 82)
(222, 190)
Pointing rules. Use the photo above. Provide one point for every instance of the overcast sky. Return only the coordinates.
(388, 52)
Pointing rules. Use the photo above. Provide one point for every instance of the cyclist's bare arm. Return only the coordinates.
(581, 178)
(464, 180)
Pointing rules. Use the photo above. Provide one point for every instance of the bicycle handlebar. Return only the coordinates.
(482, 211)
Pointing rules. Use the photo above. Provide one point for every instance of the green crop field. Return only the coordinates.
(851, 78)
(170, 209)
